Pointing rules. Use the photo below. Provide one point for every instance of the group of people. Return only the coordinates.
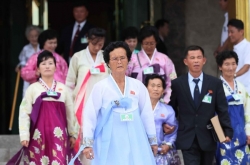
(127, 106)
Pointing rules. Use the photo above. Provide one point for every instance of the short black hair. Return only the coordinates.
(129, 32)
(114, 45)
(96, 34)
(80, 4)
(193, 47)
(236, 23)
(159, 23)
(46, 35)
(221, 57)
(44, 55)
(148, 31)
(155, 76)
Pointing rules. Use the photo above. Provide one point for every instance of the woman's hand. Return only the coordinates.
(167, 129)
(248, 139)
(18, 68)
(165, 149)
(72, 142)
(88, 153)
(25, 143)
(154, 149)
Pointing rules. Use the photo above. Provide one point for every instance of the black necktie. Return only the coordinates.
(196, 92)
(71, 51)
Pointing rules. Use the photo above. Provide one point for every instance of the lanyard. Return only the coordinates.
(46, 86)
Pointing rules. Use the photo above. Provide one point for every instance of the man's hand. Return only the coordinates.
(167, 129)
(227, 139)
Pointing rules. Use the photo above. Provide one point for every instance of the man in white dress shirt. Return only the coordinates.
(242, 48)
(224, 34)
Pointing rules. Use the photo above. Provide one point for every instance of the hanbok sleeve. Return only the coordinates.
(90, 114)
(72, 123)
(24, 115)
(28, 73)
(170, 74)
(247, 113)
(130, 66)
(147, 114)
(22, 58)
(72, 73)
(171, 120)
(63, 69)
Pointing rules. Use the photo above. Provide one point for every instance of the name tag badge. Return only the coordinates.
(127, 117)
(207, 99)
(84, 40)
(95, 71)
(148, 70)
(51, 93)
(236, 97)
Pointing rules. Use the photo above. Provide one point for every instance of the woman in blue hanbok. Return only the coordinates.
(118, 120)
(235, 152)
(163, 114)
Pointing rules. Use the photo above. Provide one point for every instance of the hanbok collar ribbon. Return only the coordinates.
(106, 124)
(15, 160)
(230, 98)
(80, 100)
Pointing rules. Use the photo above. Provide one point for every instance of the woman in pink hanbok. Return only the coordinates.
(149, 61)
(47, 41)
(47, 124)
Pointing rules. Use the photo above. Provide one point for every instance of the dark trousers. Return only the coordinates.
(196, 156)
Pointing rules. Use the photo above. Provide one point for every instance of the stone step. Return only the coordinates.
(9, 145)
(9, 141)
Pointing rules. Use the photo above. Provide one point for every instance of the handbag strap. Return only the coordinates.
(138, 59)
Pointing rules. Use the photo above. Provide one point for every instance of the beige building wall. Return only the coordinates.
(204, 21)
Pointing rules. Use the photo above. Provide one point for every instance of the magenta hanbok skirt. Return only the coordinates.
(49, 140)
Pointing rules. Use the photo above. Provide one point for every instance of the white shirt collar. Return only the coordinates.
(81, 24)
(190, 77)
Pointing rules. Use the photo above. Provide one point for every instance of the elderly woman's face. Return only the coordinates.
(32, 37)
(50, 45)
(155, 88)
(228, 67)
(149, 45)
(118, 60)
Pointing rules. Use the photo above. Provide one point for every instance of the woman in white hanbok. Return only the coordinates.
(118, 119)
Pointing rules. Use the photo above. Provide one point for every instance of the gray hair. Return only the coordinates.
(30, 28)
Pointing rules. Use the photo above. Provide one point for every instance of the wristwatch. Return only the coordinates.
(235, 75)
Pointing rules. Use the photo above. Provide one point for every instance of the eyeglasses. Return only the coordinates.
(149, 43)
(122, 58)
